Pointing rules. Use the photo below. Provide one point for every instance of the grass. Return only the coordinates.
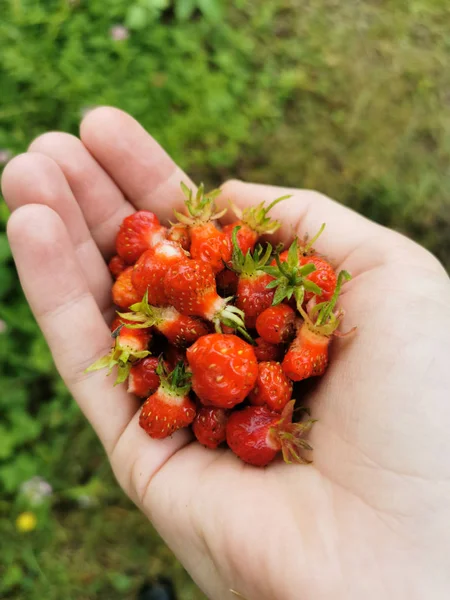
(348, 98)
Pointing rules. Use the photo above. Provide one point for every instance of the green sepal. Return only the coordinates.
(250, 263)
(176, 382)
(200, 207)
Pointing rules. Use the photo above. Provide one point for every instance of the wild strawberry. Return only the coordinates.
(143, 379)
(276, 324)
(256, 434)
(253, 294)
(253, 222)
(209, 426)
(129, 346)
(138, 232)
(181, 330)
(124, 293)
(148, 273)
(170, 407)
(308, 354)
(290, 279)
(324, 276)
(227, 282)
(190, 287)
(224, 369)
(272, 387)
(179, 233)
(266, 351)
(208, 244)
(116, 265)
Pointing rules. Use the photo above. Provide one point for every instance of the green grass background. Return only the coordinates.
(351, 98)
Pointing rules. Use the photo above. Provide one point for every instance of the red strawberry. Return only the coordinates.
(265, 351)
(143, 379)
(170, 407)
(190, 287)
(124, 293)
(276, 324)
(253, 294)
(138, 232)
(209, 426)
(179, 329)
(179, 233)
(256, 434)
(116, 265)
(227, 282)
(308, 354)
(324, 277)
(224, 369)
(173, 355)
(253, 222)
(272, 387)
(149, 271)
(129, 346)
(208, 244)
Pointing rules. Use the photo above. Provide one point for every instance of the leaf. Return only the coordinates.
(137, 17)
(211, 9)
(184, 9)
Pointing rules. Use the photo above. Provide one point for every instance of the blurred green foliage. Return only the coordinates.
(349, 98)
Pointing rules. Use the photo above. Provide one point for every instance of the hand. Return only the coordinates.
(370, 518)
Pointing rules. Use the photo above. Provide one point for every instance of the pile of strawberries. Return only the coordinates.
(214, 328)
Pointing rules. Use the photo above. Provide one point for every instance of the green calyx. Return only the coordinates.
(306, 247)
(121, 356)
(290, 279)
(176, 382)
(201, 207)
(256, 216)
(322, 319)
(143, 314)
(233, 317)
(250, 263)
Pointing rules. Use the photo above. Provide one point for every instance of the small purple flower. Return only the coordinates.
(36, 490)
(119, 33)
(5, 156)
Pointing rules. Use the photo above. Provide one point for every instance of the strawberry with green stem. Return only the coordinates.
(290, 278)
(257, 434)
(253, 293)
(190, 287)
(253, 222)
(308, 354)
(170, 408)
(208, 244)
(180, 330)
(129, 346)
(324, 275)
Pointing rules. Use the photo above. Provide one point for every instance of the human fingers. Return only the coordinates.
(102, 203)
(144, 172)
(36, 179)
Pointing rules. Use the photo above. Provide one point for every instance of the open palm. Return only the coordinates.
(370, 518)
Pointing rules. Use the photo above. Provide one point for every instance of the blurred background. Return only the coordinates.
(351, 98)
